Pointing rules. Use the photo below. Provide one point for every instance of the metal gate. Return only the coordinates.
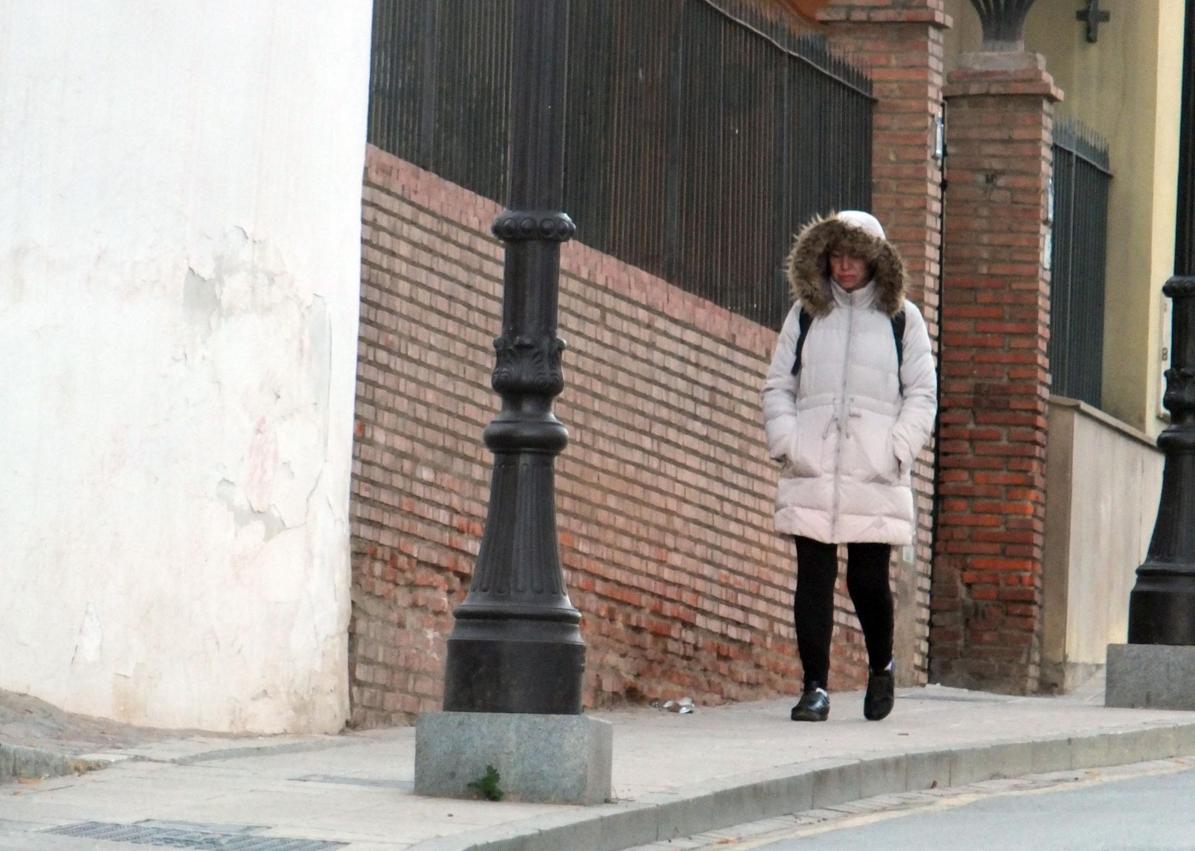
(1081, 183)
(696, 143)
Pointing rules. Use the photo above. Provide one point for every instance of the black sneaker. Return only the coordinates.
(814, 705)
(881, 694)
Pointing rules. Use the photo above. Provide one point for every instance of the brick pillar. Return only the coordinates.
(900, 42)
(987, 588)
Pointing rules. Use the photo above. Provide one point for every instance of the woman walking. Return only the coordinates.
(848, 402)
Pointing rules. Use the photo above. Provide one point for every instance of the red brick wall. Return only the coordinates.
(987, 592)
(901, 44)
(664, 493)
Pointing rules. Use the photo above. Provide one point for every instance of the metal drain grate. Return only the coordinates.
(190, 837)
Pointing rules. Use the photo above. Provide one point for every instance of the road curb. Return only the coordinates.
(20, 763)
(27, 763)
(821, 783)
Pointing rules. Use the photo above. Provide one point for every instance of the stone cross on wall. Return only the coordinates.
(1093, 15)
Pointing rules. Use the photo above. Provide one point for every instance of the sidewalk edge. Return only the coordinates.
(821, 783)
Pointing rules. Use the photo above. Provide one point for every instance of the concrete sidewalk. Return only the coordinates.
(674, 775)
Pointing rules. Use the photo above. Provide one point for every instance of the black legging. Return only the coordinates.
(813, 603)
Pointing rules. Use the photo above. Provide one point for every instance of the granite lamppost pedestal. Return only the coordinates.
(512, 680)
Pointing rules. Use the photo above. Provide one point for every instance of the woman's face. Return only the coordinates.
(848, 270)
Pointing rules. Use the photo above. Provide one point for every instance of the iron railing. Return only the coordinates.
(696, 143)
(1081, 183)
(1184, 242)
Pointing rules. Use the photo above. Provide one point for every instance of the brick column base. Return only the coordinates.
(987, 587)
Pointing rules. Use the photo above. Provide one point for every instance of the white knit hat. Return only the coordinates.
(865, 222)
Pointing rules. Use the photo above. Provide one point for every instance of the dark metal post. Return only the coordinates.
(1184, 238)
(516, 645)
(1162, 605)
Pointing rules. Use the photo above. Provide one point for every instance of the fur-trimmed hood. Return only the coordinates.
(859, 233)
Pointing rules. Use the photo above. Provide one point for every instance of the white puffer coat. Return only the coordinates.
(841, 430)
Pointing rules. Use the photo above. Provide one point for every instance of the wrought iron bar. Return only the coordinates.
(815, 52)
(1184, 252)
(1080, 141)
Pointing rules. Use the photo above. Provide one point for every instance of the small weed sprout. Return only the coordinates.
(487, 785)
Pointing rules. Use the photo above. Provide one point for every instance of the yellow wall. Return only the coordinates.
(1126, 87)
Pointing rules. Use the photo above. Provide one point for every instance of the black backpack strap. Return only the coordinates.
(898, 335)
(805, 320)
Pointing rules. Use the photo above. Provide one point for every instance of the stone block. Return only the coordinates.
(18, 763)
(1051, 754)
(1009, 759)
(883, 776)
(927, 770)
(556, 759)
(970, 765)
(1089, 751)
(1184, 740)
(723, 803)
(1150, 676)
(836, 781)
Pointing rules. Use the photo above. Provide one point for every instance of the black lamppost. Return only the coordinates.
(1162, 605)
(516, 645)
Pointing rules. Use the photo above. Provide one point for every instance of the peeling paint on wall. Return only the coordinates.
(89, 639)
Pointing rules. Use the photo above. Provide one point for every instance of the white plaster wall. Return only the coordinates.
(1117, 480)
(180, 190)
(1103, 481)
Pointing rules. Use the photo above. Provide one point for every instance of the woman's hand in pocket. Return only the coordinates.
(796, 464)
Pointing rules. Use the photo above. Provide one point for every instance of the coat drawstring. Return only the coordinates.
(844, 412)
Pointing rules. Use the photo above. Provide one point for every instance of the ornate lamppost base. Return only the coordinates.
(514, 666)
(1162, 605)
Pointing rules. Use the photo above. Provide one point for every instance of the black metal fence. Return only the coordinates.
(1081, 182)
(1184, 242)
(696, 143)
